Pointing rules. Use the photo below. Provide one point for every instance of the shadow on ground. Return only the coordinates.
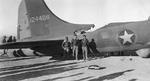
(133, 80)
(111, 76)
(64, 77)
(37, 72)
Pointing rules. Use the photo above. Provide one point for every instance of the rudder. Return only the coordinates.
(37, 21)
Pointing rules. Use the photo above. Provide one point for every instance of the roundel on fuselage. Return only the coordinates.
(126, 37)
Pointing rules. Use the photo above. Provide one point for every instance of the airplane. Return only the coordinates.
(42, 31)
(123, 36)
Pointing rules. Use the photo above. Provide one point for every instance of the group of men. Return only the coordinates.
(8, 40)
(74, 45)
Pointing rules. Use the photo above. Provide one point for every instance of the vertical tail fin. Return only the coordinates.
(35, 20)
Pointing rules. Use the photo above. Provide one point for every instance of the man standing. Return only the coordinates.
(4, 41)
(85, 43)
(92, 46)
(75, 45)
(10, 39)
(14, 39)
(66, 47)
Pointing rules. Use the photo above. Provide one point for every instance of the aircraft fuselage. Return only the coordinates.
(130, 36)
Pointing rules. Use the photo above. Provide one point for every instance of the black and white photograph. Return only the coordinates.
(74, 40)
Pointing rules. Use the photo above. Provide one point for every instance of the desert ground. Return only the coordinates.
(114, 68)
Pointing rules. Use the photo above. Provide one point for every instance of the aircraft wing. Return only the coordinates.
(30, 44)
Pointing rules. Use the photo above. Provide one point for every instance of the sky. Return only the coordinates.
(98, 12)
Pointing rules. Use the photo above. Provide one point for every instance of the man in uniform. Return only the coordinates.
(85, 43)
(75, 46)
(66, 47)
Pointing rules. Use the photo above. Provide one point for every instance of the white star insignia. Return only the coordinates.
(126, 37)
